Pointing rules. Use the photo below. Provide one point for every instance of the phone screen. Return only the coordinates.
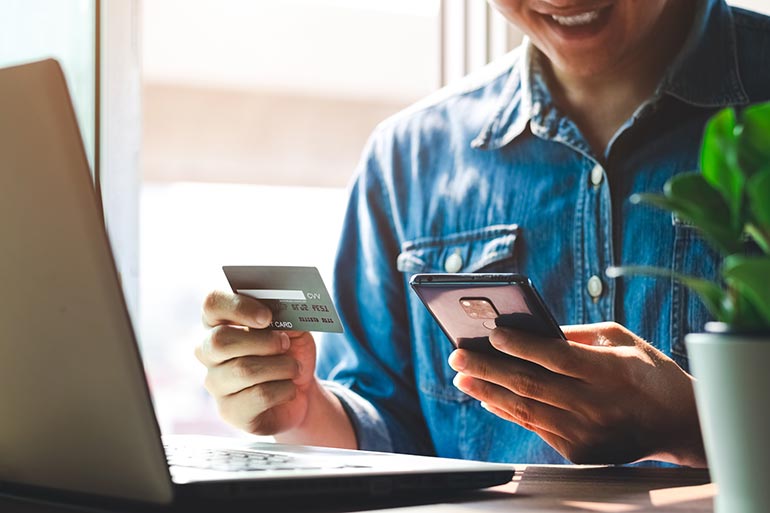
(469, 306)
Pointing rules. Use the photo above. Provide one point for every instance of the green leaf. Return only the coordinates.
(750, 278)
(696, 202)
(743, 314)
(754, 139)
(657, 200)
(758, 191)
(710, 293)
(762, 238)
(719, 162)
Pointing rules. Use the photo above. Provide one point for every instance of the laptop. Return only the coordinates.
(75, 411)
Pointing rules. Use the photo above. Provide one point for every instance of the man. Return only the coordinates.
(525, 167)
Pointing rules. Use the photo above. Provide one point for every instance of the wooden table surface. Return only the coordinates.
(553, 489)
(593, 489)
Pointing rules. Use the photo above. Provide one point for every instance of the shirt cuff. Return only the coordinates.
(371, 431)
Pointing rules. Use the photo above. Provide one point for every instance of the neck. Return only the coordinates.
(600, 103)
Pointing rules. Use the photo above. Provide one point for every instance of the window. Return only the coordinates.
(94, 43)
(254, 117)
(63, 30)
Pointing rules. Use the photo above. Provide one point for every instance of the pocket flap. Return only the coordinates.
(462, 252)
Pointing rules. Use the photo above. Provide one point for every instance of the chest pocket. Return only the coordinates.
(489, 249)
(695, 257)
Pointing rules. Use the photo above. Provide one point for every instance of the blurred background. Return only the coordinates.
(225, 132)
(254, 116)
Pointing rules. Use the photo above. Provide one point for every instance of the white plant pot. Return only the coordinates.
(732, 391)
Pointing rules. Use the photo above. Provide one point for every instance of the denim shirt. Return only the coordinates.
(489, 175)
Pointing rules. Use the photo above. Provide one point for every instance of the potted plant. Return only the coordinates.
(728, 201)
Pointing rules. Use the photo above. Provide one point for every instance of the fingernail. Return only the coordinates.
(494, 338)
(299, 367)
(263, 318)
(463, 387)
(484, 405)
(457, 361)
(285, 342)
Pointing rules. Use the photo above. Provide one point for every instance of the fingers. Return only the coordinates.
(245, 407)
(518, 376)
(526, 412)
(239, 374)
(559, 356)
(557, 442)
(506, 416)
(600, 334)
(227, 308)
(227, 342)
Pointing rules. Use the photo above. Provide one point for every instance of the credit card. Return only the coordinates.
(297, 296)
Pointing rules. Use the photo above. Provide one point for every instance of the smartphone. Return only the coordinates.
(468, 306)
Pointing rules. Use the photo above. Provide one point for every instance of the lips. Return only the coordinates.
(577, 19)
(577, 24)
(550, 8)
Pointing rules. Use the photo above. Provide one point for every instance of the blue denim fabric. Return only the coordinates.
(491, 172)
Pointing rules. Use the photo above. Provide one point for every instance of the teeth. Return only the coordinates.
(578, 19)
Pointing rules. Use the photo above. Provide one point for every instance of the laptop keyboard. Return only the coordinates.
(227, 459)
(233, 460)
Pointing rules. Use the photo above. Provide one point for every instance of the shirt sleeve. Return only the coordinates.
(370, 367)
(371, 432)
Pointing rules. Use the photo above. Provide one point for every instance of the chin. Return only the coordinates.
(582, 67)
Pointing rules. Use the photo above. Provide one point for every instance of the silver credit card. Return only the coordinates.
(297, 296)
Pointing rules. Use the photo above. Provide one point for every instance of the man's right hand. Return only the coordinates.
(262, 380)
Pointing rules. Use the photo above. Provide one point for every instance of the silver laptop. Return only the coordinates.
(75, 410)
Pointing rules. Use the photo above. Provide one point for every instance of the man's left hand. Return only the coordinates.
(604, 395)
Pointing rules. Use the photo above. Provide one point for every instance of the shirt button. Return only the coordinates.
(453, 263)
(597, 175)
(595, 286)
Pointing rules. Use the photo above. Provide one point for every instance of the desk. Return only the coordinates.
(552, 489)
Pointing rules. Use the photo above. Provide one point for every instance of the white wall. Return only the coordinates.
(386, 49)
(756, 5)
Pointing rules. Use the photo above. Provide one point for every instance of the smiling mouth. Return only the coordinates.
(577, 20)
(577, 25)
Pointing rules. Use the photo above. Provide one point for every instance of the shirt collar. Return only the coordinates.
(704, 74)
